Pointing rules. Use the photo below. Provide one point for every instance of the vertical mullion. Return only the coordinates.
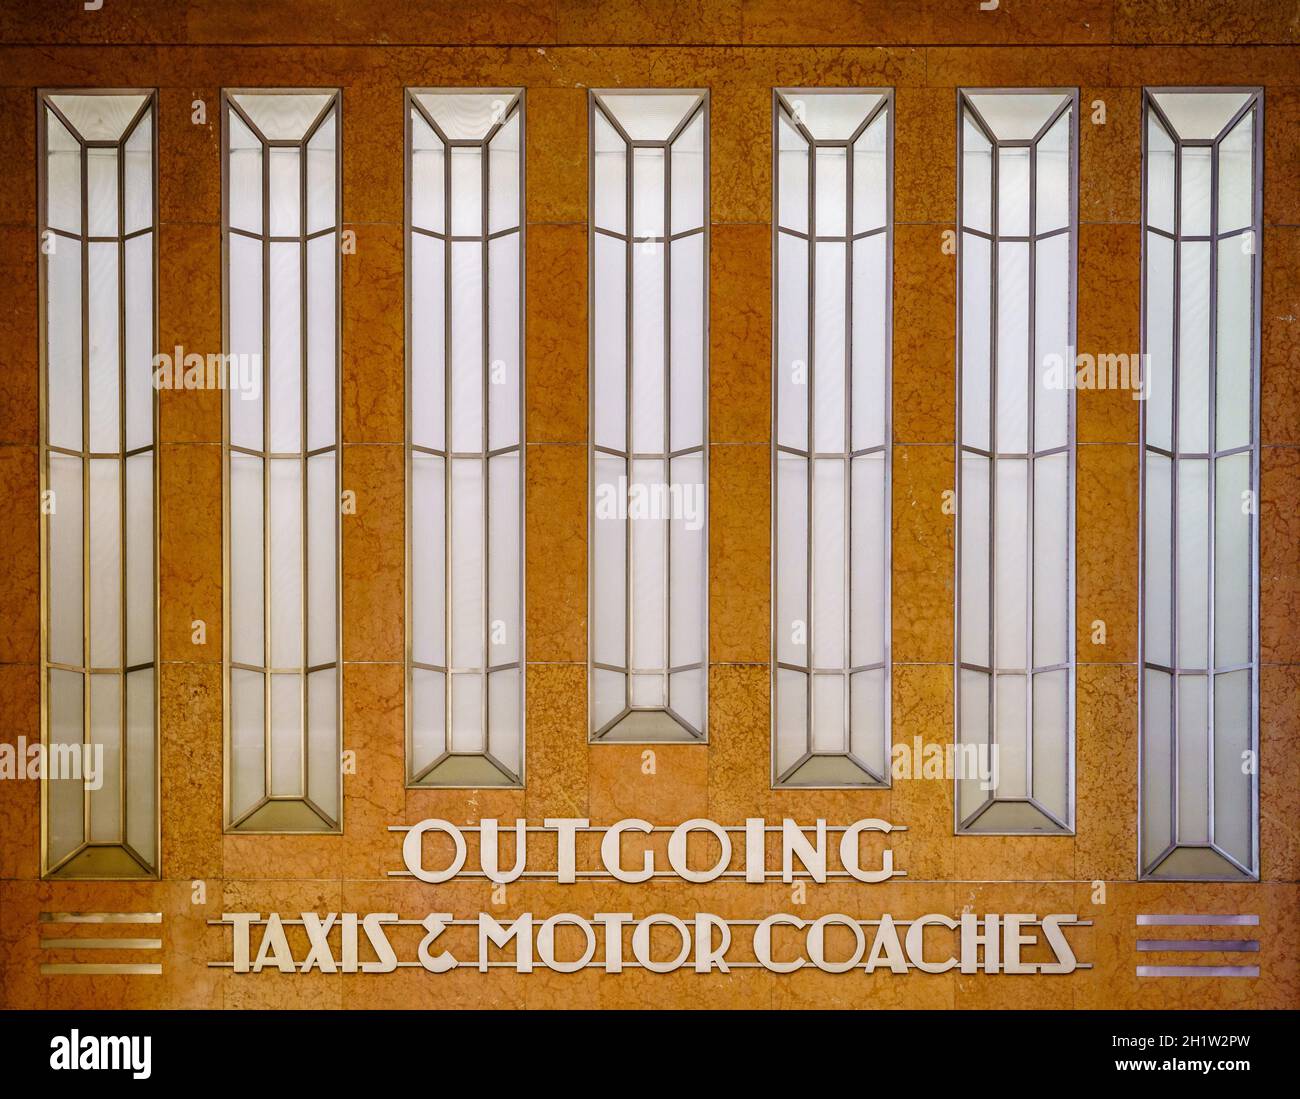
(667, 415)
(484, 355)
(1031, 448)
(810, 380)
(847, 654)
(304, 444)
(1212, 449)
(995, 258)
(629, 159)
(267, 365)
(1175, 449)
(448, 663)
(86, 465)
(123, 660)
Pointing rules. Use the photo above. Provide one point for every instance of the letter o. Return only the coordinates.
(412, 851)
(677, 850)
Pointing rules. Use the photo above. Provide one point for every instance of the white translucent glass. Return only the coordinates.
(63, 363)
(465, 320)
(102, 309)
(829, 717)
(1157, 748)
(687, 169)
(973, 579)
(322, 186)
(648, 576)
(284, 362)
(791, 566)
(138, 299)
(1053, 355)
(972, 733)
(1192, 767)
(1052, 168)
(1012, 411)
(106, 738)
(322, 559)
(869, 719)
(505, 376)
(247, 740)
(246, 560)
(323, 740)
(428, 572)
(65, 797)
(468, 115)
(101, 192)
(504, 175)
(649, 116)
(1011, 563)
(609, 187)
(829, 390)
(141, 538)
(871, 181)
(830, 169)
(104, 570)
(428, 718)
(1157, 584)
(1051, 734)
(467, 166)
(1194, 194)
(687, 342)
(100, 117)
(1199, 115)
(322, 342)
(608, 573)
(64, 584)
(426, 345)
(1236, 197)
(244, 313)
(1016, 116)
(142, 764)
(1011, 722)
(792, 175)
(505, 719)
(1233, 572)
(831, 115)
(1233, 795)
(1160, 176)
(62, 176)
(790, 722)
(1051, 572)
(869, 567)
(287, 735)
(1194, 347)
(1193, 577)
(428, 185)
(830, 599)
(504, 551)
(286, 563)
(609, 342)
(792, 341)
(465, 583)
(870, 345)
(1234, 344)
(975, 337)
(648, 197)
(646, 396)
(689, 591)
(243, 176)
(1013, 192)
(285, 190)
(976, 178)
(283, 116)
(1158, 361)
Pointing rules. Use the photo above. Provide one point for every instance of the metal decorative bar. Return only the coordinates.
(648, 462)
(1199, 639)
(98, 258)
(280, 218)
(832, 435)
(1014, 631)
(464, 437)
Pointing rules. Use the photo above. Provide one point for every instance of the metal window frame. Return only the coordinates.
(1146, 869)
(1064, 826)
(515, 106)
(780, 106)
(688, 734)
(148, 110)
(231, 825)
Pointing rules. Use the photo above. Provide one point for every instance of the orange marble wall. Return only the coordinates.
(739, 49)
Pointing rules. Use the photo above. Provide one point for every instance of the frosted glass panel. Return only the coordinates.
(648, 461)
(465, 486)
(283, 501)
(99, 482)
(1199, 647)
(1018, 183)
(832, 463)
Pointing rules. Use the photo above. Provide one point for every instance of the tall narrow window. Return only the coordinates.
(649, 463)
(280, 236)
(465, 499)
(99, 482)
(831, 436)
(1017, 197)
(1201, 217)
